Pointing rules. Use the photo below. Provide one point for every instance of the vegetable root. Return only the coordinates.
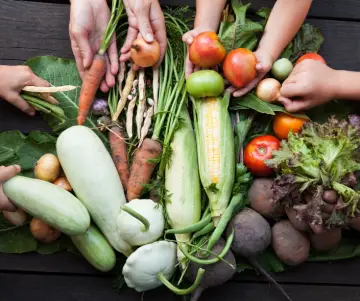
(47, 168)
(142, 102)
(289, 244)
(215, 274)
(90, 85)
(326, 240)
(141, 169)
(119, 154)
(146, 126)
(252, 237)
(260, 195)
(125, 93)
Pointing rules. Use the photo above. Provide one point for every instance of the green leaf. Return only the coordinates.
(63, 243)
(59, 72)
(348, 248)
(242, 32)
(10, 142)
(18, 240)
(308, 39)
(251, 101)
(35, 145)
(268, 261)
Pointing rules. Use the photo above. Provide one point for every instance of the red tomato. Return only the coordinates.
(206, 50)
(240, 67)
(257, 152)
(311, 56)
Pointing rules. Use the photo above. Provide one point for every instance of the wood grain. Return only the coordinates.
(67, 263)
(79, 288)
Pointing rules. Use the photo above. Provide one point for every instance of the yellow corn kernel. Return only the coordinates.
(212, 139)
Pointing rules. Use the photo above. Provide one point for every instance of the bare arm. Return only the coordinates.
(346, 85)
(208, 14)
(285, 19)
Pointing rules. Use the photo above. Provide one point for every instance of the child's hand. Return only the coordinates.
(6, 173)
(263, 66)
(311, 83)
(88, 22)
(12, 80)
(188, 38)
(147, 19)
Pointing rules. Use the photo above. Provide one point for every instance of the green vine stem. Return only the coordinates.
(186, 291)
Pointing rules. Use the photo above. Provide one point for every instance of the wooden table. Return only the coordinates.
(28, 29)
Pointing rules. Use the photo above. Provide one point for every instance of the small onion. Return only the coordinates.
(17, 218)
(268, 90)
(145, 54)
(63, 182)
(100, 107)
(47, 168)
(43, 232)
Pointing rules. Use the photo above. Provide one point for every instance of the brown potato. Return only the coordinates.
(326, 240)
(289, 244)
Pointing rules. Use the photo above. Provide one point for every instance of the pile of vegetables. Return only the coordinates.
(187, 183)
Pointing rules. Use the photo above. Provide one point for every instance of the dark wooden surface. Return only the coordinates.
(32, 28)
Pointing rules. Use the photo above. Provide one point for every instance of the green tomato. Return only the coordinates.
(281, 69)
(205, 83)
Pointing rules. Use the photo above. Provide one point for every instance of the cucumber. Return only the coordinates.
(96, 249)
(92, 174)
(50, 203)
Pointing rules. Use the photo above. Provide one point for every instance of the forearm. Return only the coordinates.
(346, 85)
(208, 15)
(284, 22)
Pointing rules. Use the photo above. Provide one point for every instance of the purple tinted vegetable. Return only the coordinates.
(100, 107)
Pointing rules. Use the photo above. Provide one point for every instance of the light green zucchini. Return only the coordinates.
(50, 203)
(93, 176)
(96, 249)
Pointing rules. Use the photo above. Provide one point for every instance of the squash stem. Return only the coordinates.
(213, 260)
(186, 291)
(138, 216)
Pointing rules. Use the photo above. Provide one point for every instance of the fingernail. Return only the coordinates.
(149, 37)
(18, 168)
(31, 113)
(190, 40)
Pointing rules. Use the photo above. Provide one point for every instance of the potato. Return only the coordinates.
(289, 244)
(260, 194)
(326, 240)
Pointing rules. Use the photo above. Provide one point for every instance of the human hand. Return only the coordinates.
(308, 85)
(12, 80)
(6, 173)
(145, 17)
(88, 22)
(263, 66)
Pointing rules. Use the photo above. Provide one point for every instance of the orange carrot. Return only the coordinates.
(141, 169)
(119, 154)
(90, 85)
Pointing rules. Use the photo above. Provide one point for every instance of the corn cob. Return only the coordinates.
(215, 146)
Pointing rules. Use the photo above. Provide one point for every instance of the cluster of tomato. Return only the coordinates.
(239, 68)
